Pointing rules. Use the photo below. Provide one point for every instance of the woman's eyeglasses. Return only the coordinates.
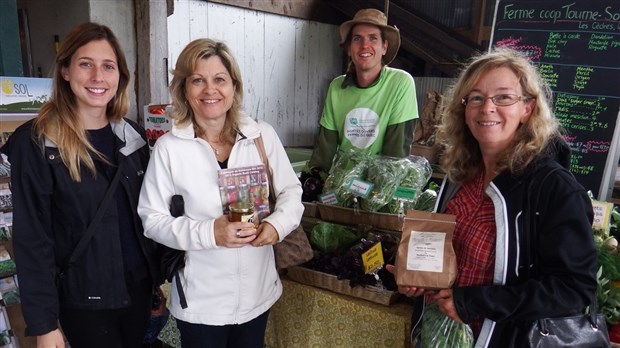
(499, 100)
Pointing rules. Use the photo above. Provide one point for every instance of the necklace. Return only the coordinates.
(217, 151)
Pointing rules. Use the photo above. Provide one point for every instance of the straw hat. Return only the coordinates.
(374, 17)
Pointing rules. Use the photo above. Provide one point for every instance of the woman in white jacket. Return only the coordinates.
(229, 279)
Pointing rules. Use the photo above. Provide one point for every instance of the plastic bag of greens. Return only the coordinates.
(439, 331)
(347, 166)
(328, 237)
(427, 199)
(385, 173)
(417, 173)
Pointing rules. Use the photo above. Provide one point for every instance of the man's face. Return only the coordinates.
(367, 48)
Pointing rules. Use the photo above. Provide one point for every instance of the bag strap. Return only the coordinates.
(90, 231)
(263, 156)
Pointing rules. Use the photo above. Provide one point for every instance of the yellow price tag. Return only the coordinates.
(602, 214)
(373, 258)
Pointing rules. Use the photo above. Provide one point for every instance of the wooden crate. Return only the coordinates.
(348, 216)
(332, 283)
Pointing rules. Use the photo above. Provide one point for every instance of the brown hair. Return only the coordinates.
(186, 65)
(58, 120)
(461, 157)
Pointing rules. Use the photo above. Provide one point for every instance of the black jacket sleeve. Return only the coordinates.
(33, 242)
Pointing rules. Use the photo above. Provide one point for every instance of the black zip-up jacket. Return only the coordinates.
(543, 219)
(51, 212)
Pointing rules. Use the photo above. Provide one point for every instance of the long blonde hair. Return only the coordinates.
(186, 65)
(461, 158)
(58, 120)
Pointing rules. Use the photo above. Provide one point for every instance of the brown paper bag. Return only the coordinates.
(425, 257)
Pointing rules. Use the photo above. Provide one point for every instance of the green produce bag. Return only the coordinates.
(439, 331)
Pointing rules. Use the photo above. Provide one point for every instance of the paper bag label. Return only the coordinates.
(426, 251)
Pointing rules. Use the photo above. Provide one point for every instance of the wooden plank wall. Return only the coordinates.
(286, 63)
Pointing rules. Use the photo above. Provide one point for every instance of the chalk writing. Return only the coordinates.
(577, 49)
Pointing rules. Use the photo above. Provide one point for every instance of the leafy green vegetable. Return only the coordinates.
(347, 166)
(386, 174)
(608, 298)
(417, 173)
(328, 237)
(426, 201)
(438, 330)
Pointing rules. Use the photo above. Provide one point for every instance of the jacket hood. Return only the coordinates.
(557, 150)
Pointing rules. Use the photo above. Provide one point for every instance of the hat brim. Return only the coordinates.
(392, 36)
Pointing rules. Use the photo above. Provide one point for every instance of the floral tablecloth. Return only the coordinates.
(309, 317)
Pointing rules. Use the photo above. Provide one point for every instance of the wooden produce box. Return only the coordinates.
(310, 210)
(332, 283)
(348, 216)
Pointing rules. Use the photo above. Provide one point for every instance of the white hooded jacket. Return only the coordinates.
(222, 285)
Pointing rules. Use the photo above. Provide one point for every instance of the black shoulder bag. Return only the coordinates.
(579, 331)
(90, 231)
(172, 260)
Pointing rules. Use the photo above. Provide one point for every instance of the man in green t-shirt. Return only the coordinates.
(372, 108)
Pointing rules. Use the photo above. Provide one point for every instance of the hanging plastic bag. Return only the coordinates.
(439, 330)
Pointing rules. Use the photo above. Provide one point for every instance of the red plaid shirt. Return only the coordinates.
(474, 237)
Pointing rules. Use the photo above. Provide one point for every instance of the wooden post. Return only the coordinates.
(152, 54)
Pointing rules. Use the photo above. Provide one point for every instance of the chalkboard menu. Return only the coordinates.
(576, 45)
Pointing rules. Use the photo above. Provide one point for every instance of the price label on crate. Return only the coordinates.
(373, 258)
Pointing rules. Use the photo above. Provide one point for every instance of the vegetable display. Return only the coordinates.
(387, 175)
(337, 255)
(348, 165)
(608, 275)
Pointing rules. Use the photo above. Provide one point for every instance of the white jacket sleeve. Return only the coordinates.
(183, 233)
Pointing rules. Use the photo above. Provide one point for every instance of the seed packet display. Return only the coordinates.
(425, 257)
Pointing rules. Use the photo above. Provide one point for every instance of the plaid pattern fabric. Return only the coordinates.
(474, 237)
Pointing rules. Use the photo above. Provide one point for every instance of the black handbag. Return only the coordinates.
(173, 260)
(578, 331)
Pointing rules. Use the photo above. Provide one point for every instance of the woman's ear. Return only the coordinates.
(528, 110)
(65, 73)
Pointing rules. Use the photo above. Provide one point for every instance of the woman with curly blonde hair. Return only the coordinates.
(523, 236)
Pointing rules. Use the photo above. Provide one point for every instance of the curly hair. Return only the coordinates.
(186, 65)
(462, 158)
